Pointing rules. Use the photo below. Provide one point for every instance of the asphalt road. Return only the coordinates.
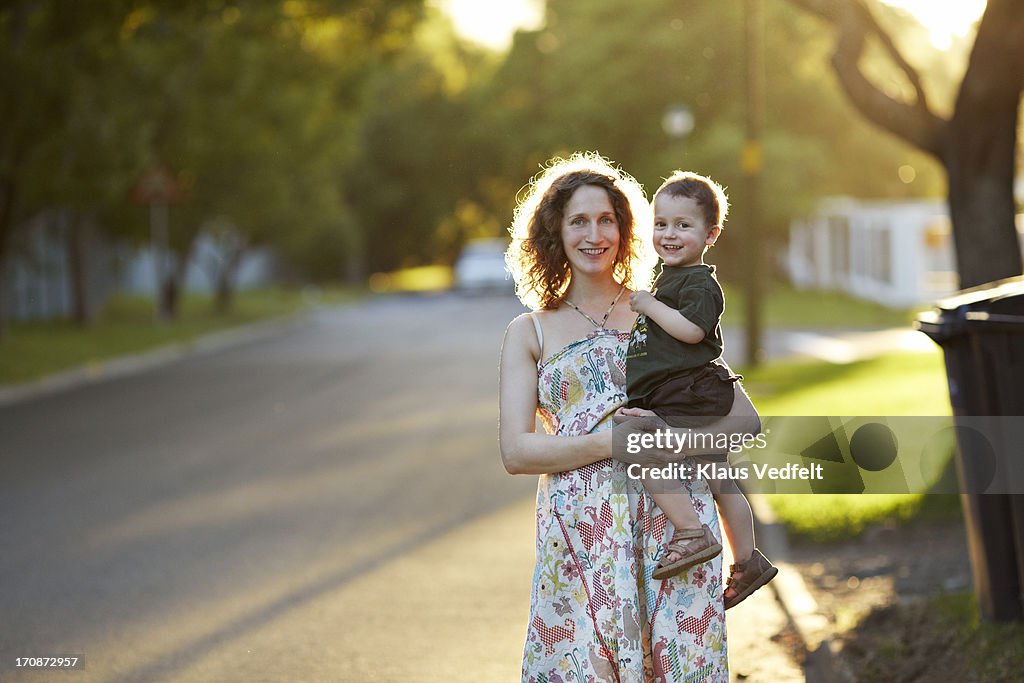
(206, 520)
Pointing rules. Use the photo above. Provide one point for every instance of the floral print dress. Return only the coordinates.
(595, 612)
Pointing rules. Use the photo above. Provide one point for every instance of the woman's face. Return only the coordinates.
(590, 231)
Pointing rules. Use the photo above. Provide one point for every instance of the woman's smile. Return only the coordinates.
(590, 230)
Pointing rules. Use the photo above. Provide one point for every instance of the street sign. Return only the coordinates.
(156, 185)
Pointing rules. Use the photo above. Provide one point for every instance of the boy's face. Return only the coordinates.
(681, 234)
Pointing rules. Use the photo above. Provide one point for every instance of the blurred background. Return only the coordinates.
(213, 147)
(327, 186)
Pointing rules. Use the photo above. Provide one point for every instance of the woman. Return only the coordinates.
(595, 611)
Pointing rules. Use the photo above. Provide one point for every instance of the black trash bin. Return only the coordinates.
(981, 332)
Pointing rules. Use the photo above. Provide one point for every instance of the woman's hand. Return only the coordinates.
(635, 412)
(635, 438)
(641, 437)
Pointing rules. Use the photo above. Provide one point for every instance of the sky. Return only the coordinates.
(492, 22)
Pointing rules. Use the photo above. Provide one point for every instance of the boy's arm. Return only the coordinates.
(670, 320)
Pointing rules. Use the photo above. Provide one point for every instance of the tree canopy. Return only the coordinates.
(359, 136)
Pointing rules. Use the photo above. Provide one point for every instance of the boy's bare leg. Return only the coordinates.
(674, 500)
(736, 515)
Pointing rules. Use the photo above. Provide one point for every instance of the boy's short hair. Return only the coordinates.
(708, 194)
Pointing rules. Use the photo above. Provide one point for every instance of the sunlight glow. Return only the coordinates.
(944, 20)
(492, 22)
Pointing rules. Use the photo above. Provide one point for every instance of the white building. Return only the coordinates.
(898, 253)
(38, 279)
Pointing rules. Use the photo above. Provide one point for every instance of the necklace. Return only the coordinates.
(604, 320)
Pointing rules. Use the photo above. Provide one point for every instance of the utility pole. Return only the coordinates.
(158, 187)
(751, 161)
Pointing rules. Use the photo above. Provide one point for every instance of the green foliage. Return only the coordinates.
(252, 105)
(421, 153)
(994, 650)
(361, 135)
(601, 77)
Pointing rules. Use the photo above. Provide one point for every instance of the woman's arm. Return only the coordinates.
(743, 417)
(523, 451)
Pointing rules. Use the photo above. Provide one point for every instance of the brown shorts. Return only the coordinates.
(694, 398)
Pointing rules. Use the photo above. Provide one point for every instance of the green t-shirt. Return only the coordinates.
(654, 355)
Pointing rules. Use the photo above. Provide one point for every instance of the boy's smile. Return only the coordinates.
(681, 233)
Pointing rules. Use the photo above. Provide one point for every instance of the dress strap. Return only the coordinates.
(540, 332)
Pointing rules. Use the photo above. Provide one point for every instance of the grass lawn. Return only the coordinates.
(899, 383)
(36, 349)
(785, 306)
(893, 384)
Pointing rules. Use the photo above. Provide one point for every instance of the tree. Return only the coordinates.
(976, 145)
(48, 143)
(253, 105)
(420, 128)
(596, 77)
(258, 107)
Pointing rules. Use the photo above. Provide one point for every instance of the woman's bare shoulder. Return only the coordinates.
(520, 324)
(521, 334)
(544, 317)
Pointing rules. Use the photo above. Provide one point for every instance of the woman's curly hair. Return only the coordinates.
(536, 257)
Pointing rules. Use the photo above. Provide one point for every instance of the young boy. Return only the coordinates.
(671, 371)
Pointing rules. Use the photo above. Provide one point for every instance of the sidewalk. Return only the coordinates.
(831, 345)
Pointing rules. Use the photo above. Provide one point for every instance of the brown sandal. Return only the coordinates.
(693, 547)
(747, 577)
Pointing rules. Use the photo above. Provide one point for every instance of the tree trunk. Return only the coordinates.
(979, 150)
(355, 260)
(6, 233)
(80, 242)
(174, 282)
(225, 293)
(170, 297)
(977, 146)
(355, 269)
(981, 206)
(3, 295)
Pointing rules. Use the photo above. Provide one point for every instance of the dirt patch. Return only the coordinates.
(885, 565)
(877, 592)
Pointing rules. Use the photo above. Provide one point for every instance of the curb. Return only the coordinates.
(123, 366)
(801, 609)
